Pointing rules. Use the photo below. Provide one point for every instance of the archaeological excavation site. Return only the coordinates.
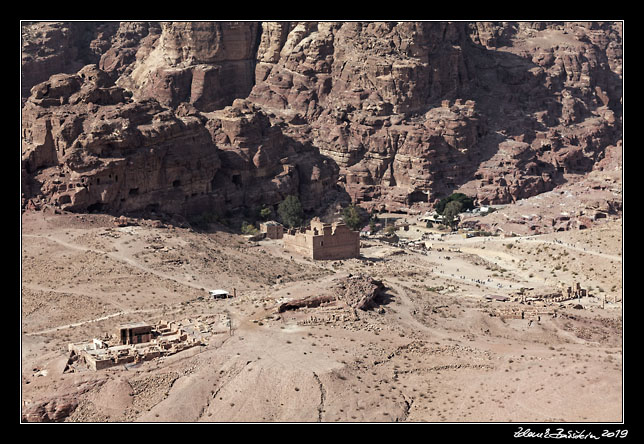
(323, 222)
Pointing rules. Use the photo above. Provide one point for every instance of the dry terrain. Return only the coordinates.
(190, 128)
(433, 349)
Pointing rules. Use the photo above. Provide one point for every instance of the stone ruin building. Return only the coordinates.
(134, 333)
(323, 241)
(540, 302)
(272, 229)
(137, 342)
(556, 295)
(574, 292)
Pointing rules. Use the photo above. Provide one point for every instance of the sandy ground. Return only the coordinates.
(433, 351)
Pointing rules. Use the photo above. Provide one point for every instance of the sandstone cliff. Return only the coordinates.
(88, 146)
(411, 111)
(202, 115)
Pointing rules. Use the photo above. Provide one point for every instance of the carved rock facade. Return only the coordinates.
(219, 115)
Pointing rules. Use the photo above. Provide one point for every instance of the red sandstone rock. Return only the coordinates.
(127, 155)
(358, 292)
(371, 77)
(60, 406)
(403, 112)
(207, 64)
(121, 155)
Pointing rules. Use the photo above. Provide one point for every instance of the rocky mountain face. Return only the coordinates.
(213, 116)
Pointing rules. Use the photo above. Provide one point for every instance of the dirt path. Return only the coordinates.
(121, 258)
(405, 310)
(70, 291)
(427, 353)
(102, 318)
(572, 247)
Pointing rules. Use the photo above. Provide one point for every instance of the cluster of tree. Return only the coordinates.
(449, 207)
(466, 202)
(247, 228)
(353, 217)
(291, 214)
(265, 212)
(290, 211)
(253, 214)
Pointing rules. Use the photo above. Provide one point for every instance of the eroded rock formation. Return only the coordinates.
(88, 146)
(411, 111)
(202, 115)
(357, 292)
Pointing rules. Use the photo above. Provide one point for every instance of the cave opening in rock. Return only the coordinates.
(417, 196)
(97, 207)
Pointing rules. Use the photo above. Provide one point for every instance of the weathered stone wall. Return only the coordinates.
(341, 243)
(272, 230)
(324, 242)
(298, 243)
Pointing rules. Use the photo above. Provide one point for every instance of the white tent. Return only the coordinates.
(219, 293)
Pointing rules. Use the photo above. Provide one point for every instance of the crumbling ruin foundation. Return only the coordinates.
(137, 342)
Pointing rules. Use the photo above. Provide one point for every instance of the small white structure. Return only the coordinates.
(219, 293)
(432, 217)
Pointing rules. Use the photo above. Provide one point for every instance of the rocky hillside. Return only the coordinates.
(217, 116)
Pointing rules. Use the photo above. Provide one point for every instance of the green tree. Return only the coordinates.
(265, 212)
(466, 202)
(351, 217)
(452, 209)
(290, 211)
(247, 228)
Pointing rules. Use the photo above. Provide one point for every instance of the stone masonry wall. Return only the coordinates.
(324, 242)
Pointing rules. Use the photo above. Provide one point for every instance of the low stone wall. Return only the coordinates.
(530, 314)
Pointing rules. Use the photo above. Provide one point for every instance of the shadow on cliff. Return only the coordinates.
(510, 92)
(312, 177)
(318, 187)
